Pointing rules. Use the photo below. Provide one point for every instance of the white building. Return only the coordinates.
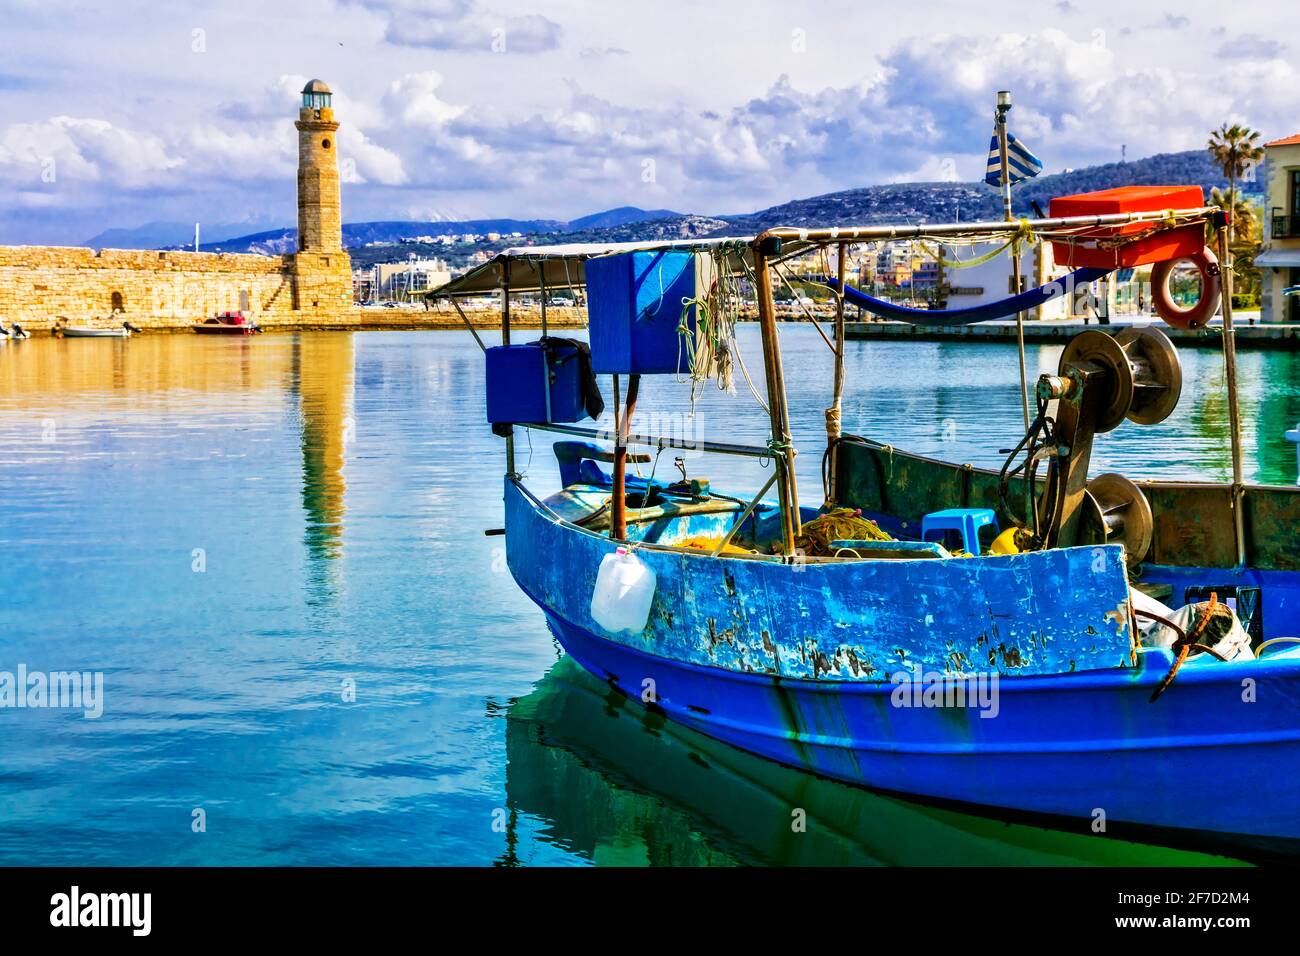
(398, 281)
(994, 280)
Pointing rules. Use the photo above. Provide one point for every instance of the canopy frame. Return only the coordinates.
(561, 266)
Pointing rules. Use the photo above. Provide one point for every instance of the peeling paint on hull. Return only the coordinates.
(1044, 612)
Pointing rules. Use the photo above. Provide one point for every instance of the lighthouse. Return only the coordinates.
(322, 269)
(320, 228)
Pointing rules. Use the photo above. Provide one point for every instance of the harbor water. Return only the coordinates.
(272, 550)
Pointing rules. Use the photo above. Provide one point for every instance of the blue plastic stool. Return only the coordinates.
(966, 520)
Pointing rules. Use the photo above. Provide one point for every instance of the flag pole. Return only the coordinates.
(1004, 107)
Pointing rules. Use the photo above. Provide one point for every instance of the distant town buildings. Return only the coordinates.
(398, 281)
(448, 240)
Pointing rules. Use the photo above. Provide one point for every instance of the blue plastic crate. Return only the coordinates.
(517, 380)
(634, 308)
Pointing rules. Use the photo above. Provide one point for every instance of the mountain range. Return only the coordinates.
(161, 234)
(235, 237)
(381, 241)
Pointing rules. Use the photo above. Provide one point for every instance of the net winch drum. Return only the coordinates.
(1144, 374)
(1117, 512)
(1101, 381)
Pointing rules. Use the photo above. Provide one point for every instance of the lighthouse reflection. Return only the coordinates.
(322, 378)
(604, 779)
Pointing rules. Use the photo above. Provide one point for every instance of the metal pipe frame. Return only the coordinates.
(1015, 253)
(837, 387)
(541, 283)
(1234, 407)
(782, 447)
(551, 515)
(468, 324)
(749, 510)
(993, 228)
(656, 441)
(505, 340)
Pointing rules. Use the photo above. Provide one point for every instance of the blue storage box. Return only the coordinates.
(634, 307)
(520, 376)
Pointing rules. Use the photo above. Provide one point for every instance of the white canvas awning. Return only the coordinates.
(1278, 259)
(562, 265)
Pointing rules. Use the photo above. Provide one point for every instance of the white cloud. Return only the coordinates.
(462, 26)
(1251, 46)
(79, 149)
(426, 126)
(415, 98)
(373, 163)
(265, 152)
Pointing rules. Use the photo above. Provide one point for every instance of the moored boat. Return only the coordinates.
(123, 331)
(1040, 673)
(226, 323)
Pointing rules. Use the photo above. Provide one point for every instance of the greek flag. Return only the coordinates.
(1021, 163)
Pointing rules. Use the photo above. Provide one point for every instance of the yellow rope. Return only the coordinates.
(937, 255)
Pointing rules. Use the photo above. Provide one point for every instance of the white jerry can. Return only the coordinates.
(625, 587)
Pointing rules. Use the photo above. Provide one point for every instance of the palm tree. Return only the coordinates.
(1241, 212)
(1235, 148)
(1243, 249)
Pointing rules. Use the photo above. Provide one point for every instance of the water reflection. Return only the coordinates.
(618, 785)
(330, 560)
(322, 380)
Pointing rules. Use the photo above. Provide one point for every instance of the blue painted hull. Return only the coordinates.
(1219, 753)
(1070, 746)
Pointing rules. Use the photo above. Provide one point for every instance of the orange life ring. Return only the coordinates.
(1198, 315)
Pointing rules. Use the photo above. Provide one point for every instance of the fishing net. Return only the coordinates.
(709, 544)
(839, 524)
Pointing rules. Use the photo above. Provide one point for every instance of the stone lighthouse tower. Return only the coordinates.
(322, 269)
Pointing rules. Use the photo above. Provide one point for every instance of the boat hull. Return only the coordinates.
(1218, 755)
(217, 329)
(1043, 754)
(612, 783)
(95, 333)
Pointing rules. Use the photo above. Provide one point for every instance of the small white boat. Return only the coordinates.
(92, 332)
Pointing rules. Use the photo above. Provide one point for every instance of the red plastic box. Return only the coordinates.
(1173, 243)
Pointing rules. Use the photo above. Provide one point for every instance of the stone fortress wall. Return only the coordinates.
(168, 291)
(39, 284)
(161, 290)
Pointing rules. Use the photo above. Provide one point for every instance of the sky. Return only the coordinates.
(124, 112)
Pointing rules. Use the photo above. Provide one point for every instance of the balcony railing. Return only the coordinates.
(1285, 227)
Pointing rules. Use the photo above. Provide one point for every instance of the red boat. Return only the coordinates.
(226, 323)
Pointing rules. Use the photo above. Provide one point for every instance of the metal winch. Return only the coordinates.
(1100, 381)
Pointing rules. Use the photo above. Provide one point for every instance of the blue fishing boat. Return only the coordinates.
(1103, 653)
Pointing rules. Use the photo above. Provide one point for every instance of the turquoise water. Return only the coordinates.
(272, 549)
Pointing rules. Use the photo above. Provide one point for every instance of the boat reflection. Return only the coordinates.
(617, 785)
